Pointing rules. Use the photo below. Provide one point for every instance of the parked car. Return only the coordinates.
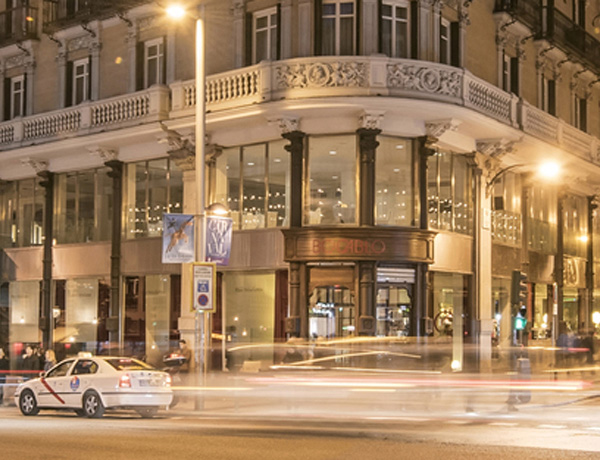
(90, 385)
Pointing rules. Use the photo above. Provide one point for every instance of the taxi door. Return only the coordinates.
(79, 380)
(52, 386)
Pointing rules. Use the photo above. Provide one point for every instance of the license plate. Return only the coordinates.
(150, 383)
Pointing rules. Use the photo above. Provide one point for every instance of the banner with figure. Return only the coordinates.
(178, 238)
(218, 239)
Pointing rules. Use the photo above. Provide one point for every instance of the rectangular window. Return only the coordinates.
(394, 184)
(450, 193)
(153, 62)
(506, 73)
(395, 30)
(445, 41)
(152, 188)
(17, 96)
(265, 35)
(542, 209)
(332, 165)
(257, 193)
(548, 95)
(338, 28)
(580, 113)
(506, 210)
(81, 81)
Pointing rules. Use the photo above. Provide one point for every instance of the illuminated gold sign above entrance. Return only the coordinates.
(322, 244)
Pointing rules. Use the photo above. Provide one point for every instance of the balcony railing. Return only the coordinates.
(63, 13)
(304, 78)
(17, 24)
(552, 25)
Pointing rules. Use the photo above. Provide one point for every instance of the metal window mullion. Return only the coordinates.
(168, 203)
(77, 217)
(147, 196)
(241, 187)
(452, 194)
(266, 210)
(438, 179)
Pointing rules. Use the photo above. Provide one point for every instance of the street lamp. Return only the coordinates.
(178, 12)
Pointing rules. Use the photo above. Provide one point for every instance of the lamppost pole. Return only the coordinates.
(202, 323)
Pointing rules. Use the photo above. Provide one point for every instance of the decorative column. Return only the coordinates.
(239, 13)
(367, 139)
(463, 22)
(61, 61)
(421, 319)
(29, 89)
(95, 47)
(369, 29)
(47, 319)
(431, 28)
(305, 32)
(286, 30)
(114, 322)
(132, 37)
(589, 265)
(296, 323)
(558, 308)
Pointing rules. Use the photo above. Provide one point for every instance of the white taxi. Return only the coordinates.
(89, 385)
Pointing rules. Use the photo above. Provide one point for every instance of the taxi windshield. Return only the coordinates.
(128, 364)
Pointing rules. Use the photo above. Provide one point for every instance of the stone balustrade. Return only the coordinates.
(300, 78)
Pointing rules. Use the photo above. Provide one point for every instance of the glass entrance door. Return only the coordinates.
(394, 305)
(331, 312)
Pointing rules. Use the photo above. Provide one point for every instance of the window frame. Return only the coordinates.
(85, 76)
(394, 4)
(159, 59)
(270, 29)
(14, 93)
(445, 42)
(338, 16)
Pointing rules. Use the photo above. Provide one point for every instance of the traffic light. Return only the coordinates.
(518, 289)
(521, 320)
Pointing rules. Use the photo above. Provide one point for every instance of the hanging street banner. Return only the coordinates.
(178, 238)
(218, 239)
(203, 289)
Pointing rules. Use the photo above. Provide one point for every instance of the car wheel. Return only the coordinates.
(92, 405)
(147, 412)
(27, 403)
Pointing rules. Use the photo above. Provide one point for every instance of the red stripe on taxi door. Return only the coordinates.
(51, 390)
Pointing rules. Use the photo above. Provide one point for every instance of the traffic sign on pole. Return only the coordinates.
(203, 286)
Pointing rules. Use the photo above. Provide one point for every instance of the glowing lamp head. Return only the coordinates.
(549, 170)
(175, 11)
(596, 318)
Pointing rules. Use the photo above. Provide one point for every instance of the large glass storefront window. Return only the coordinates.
(575, 220)
(542, 312)
(253, 183)
(24, 311)
(450, 193)
(83, 206)
(501, 334)
(506, 210)
(449, 291)
(151, 189)
(332, 172)
(542, 219)
(21, 213)
(394, 183)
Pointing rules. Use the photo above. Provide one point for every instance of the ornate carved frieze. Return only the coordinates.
(15, 61)
(37, 165)
(79, 43)
(437, 128)
(322, 75)
(424, 78)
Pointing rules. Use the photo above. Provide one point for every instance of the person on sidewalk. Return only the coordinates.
(4, 368)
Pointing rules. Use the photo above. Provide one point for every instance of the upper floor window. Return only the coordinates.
(16, 97)
(395, 29)
(151, 63)
(510, 74)
(81, 81)
(338, 28)
(444, 41)
(506, 210)
(548, 95)
(265, 37)
(580, 112)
